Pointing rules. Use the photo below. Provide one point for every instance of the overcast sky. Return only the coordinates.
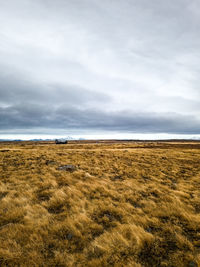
(99, 67)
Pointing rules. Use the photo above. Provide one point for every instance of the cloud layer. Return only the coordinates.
(88, 65)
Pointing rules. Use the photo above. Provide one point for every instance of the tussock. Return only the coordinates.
(124, 204)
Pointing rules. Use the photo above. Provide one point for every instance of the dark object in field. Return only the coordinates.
(61, 141)
(4, 150)
(70, 168)
(69, 236)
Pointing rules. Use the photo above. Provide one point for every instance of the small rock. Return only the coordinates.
(70, 168)
(69, 236)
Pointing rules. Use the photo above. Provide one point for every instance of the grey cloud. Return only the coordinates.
(18, 91)
(123, 66)
(22, 117)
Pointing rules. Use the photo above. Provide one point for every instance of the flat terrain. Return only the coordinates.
(117, 204)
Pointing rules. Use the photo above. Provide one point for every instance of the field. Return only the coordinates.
(116, 204)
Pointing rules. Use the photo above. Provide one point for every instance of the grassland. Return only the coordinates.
(124, 204)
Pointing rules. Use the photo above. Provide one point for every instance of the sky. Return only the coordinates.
(95, 69)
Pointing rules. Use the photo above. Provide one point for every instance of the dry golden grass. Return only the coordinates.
(126, 204)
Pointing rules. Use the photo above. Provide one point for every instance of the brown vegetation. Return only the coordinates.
(122, 204)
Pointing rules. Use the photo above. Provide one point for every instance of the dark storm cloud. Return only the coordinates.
(123, 66)
(23, 117)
